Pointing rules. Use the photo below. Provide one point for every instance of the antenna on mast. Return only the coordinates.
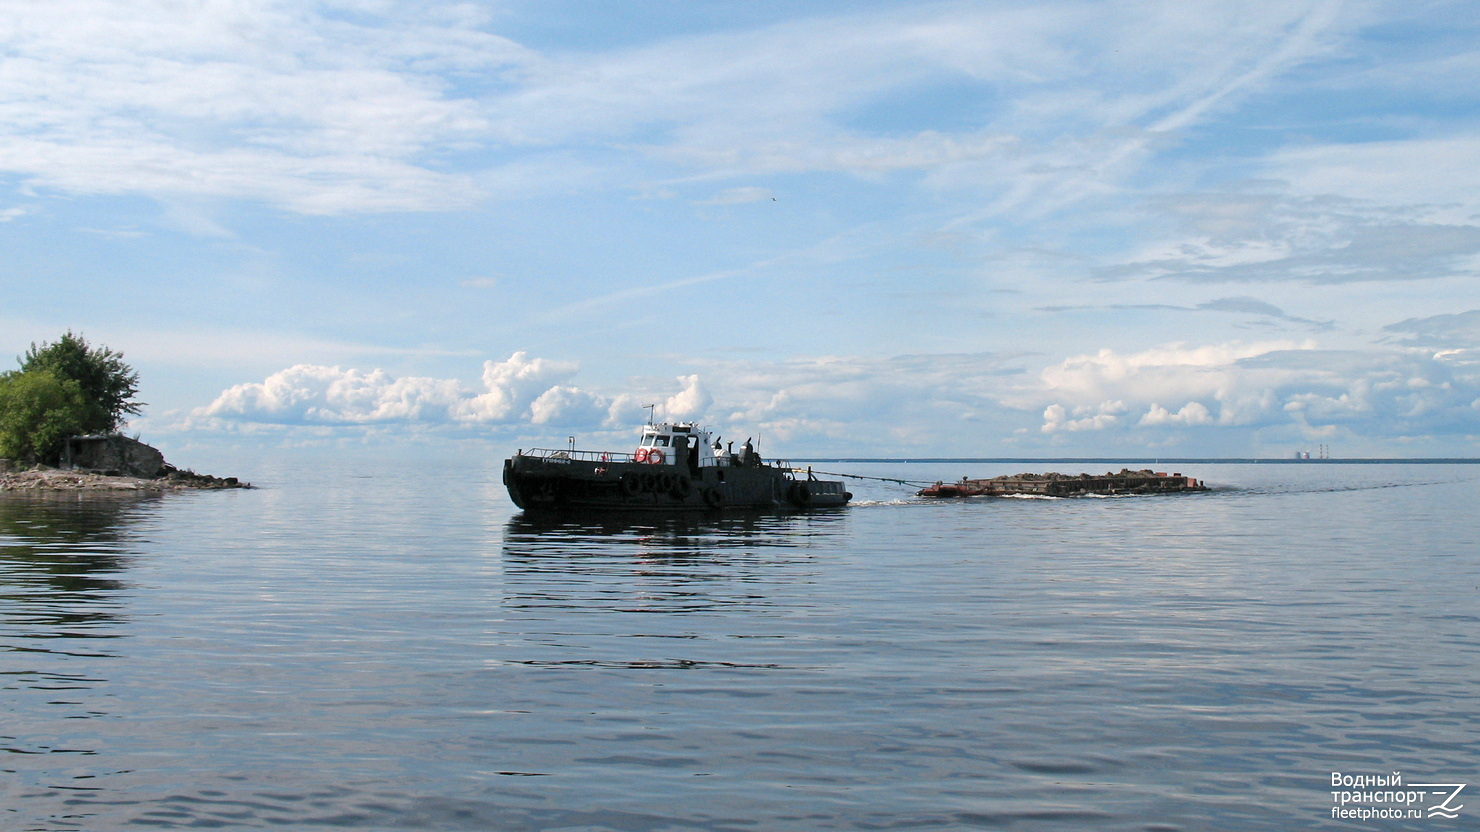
(650, 408)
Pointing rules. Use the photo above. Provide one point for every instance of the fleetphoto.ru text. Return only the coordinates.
(1386, 797)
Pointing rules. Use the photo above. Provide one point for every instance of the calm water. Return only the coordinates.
(398, 648)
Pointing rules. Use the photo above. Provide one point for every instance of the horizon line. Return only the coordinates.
(1161, 460)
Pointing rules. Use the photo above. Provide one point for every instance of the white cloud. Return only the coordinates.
(319, 111)
(690, 403)
(857, 405)
(1192, 413)
(1142, 382)
(1056, 418)
(1262, 385)
(520, 390)
(1230, 394)
(511, 386)
(281, 102)
(924, 404)
(568, 406)
(1175, 371)
(313, 394)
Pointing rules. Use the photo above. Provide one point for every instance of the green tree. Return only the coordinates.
(108, 385)
(38, 410)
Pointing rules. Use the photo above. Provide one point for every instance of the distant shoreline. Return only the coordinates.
(1147, 460)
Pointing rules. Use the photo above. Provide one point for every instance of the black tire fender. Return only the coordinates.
(801, 494)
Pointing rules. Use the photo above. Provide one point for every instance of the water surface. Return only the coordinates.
(389, 647)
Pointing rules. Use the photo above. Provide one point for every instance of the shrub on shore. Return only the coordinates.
(108, 385)
(38, 411)
(63, 388)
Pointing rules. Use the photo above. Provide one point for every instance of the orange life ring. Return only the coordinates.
(655, 456)
(641, 455)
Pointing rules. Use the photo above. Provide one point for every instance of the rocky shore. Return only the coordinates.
(42, 478)
(1054, 484)
(110, 463)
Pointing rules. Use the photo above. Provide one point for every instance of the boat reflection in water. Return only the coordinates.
(670, 536)
(669, 563)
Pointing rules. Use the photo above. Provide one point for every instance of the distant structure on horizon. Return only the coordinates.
(1322, 452)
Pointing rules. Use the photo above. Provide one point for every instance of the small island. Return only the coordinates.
(60, 420)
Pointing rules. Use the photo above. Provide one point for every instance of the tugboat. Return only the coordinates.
(676, 466)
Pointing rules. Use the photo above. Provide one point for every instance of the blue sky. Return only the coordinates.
(871, 228)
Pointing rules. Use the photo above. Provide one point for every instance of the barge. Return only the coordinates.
(1066, 485)
(676, 466)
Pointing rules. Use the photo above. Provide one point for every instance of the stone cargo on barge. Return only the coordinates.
(677, 466)
(1067, 485)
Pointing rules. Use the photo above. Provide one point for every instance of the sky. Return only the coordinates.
(874, 229)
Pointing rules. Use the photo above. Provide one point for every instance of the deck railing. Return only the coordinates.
(613, 456)
(583, 456)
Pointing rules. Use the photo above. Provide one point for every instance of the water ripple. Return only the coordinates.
(403, 650)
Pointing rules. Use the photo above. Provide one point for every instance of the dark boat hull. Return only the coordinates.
(544, 483)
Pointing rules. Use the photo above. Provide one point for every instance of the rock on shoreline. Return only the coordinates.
(42, 478)
(110, 462)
